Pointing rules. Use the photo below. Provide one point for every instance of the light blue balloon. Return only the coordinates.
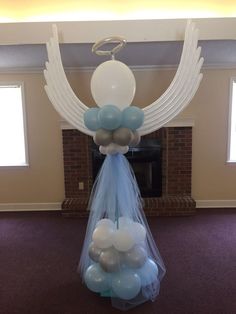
(126, 284)
(132, 117)
(151, 291)
(96, 279)
(148, 273)
(110, 117)
(91, 120)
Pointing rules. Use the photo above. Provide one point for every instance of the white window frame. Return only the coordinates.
(21, 85)
(232, 81)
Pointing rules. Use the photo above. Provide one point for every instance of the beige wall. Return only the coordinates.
(42, 181)
(212, 177)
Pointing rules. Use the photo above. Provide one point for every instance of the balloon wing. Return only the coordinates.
(171, 103)
(182, 88)
(58, 89)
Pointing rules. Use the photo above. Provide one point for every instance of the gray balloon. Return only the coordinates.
(135, 139)
(136, 257)
(102, 137)
(110, 260)
(122, 136)
(94, 252)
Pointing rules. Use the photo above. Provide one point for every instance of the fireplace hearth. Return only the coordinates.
(162, 164)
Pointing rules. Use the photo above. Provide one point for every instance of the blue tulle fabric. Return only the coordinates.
(116, 196)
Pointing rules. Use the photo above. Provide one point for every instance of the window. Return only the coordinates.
(232, 123)
(12, 125)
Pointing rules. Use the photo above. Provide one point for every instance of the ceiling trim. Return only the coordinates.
(29, 70)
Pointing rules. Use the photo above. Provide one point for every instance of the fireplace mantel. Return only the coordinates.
(187, 121)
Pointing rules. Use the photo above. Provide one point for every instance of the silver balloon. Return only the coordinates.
(94, 252)
(122, 136)
(110, 260)
(102, 137)
(136, 257)
(135, 139)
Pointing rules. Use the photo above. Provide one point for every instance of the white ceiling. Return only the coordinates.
(217, 53)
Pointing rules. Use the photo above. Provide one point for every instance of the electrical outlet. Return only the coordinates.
(81, 185)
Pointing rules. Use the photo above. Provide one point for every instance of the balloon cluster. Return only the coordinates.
(120, 263)
(115, 129)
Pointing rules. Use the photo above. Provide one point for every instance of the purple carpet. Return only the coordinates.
(39, 253)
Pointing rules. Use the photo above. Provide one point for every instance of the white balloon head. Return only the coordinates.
(113, 83)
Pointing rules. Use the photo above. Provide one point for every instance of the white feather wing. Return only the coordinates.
(182, 88)
(171, 103)
(59, 91)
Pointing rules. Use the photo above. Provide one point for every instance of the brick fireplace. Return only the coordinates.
(176, 155)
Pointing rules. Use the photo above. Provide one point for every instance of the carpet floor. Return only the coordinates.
(39, 253)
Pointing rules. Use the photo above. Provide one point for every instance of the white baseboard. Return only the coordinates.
(216, 203)
(10, 207)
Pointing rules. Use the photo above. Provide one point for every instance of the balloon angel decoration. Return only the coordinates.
(120, 259)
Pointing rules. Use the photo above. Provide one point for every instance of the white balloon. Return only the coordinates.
(106, 222)
(123, 149)
(113, 83)
(123, 240)
(102, 236)
(113, 149)
(103, 150)
(139, 232)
